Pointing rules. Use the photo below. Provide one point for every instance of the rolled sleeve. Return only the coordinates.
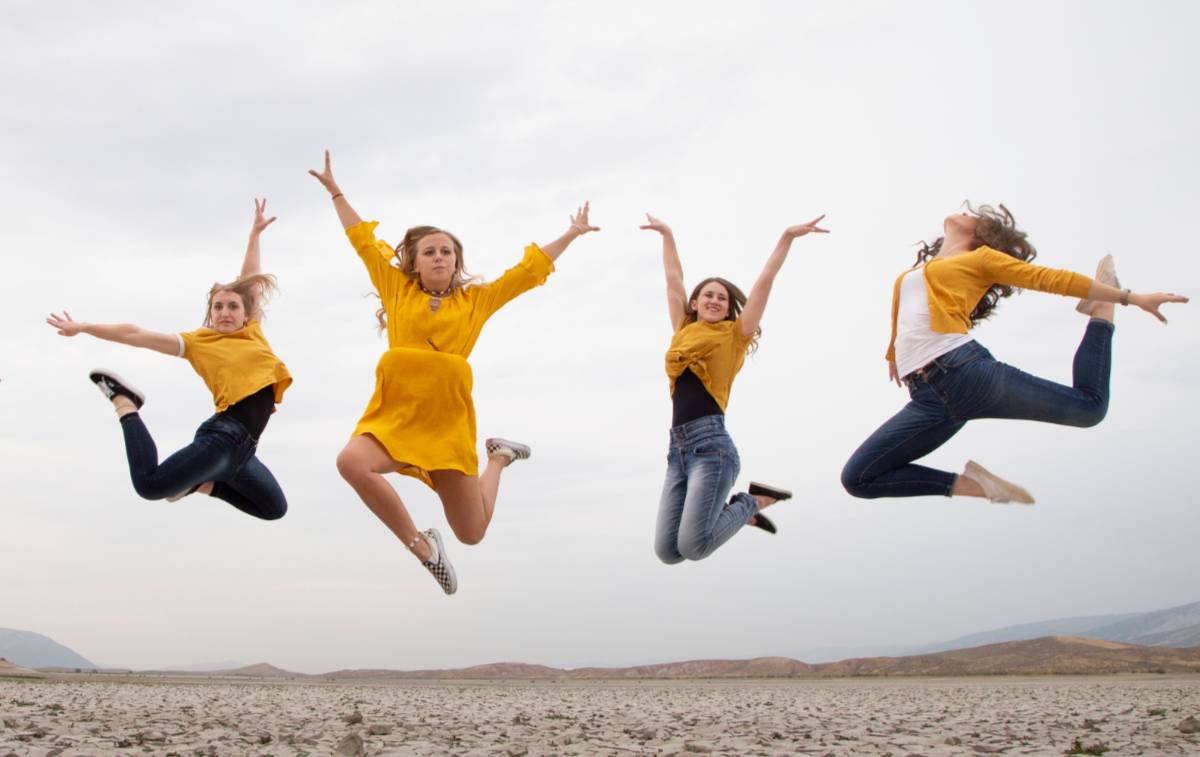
(376, 255)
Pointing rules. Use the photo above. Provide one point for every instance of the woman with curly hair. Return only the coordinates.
(713, 330)
(951, 379)
(245, 377)
(420, 420)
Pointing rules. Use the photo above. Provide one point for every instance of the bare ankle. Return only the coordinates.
(123, 405)
(419, 546)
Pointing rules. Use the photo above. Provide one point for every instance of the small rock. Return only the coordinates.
(520, 750)
(1190, 725)
(154, 737)
(952, 741)
(1091, 746)
(696, 747)
(379, 729)
(263, 737)
(353, 718)
(351, 745)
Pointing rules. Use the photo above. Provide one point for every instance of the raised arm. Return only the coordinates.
(252, 263)
(346, 214)
(579, 227)
(756, 303)
(676, 294)
(123, 333)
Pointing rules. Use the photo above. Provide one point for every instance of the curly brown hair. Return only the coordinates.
(996, 229)
(737, 301)
(406, 258)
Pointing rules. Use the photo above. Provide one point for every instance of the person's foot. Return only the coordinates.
(506, 450)
(995, 488)
(770, 492)
(112, 385)
(438, 564)
(758, 520)
(1106, 273)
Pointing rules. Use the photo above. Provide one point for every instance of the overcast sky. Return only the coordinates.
(136, 135)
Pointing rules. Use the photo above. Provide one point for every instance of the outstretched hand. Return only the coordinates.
(65, 325)
(1151, 302)
(326, 176)
(654, 224)
(260, 222)
(811, 227)
(579, 221)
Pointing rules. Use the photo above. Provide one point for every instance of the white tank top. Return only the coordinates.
(916, 343)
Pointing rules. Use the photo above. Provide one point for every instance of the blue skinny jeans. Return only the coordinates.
(222, 452)
(694, 517)
(968, 383)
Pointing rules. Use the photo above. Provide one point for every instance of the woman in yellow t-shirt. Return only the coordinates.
(951, 379)
(420, 420)
(713, 328)
(233, 358)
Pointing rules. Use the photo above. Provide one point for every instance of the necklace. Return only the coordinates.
(435, 295)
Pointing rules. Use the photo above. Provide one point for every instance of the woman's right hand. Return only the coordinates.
(1151, 302)
(65, 325)
(653, 224)
(894, 374)
(326, 177)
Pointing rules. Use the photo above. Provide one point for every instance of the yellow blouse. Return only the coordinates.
(421, 410)
(956, 284)
(715, 353)
(234, 365)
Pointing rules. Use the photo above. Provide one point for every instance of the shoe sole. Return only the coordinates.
(122, 387)
(765, 490)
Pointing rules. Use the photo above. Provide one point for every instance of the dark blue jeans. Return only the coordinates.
(968, 383)
(694, 517)
(221, 452)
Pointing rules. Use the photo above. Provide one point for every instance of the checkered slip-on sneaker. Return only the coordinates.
(508, 449)
(112, 385)
(1106, 273)
(438, 564)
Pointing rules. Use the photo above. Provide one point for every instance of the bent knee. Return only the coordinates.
(668, 554)
(1093, 415)
(695, 550)
(853, 483)
(276, 513)
(469, 536)
(351, 466)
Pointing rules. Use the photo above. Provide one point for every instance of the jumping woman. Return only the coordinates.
(420, 421)
(713, 330)
(951, 379)
(233, 358)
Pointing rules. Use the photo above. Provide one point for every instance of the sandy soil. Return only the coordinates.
(846, 717)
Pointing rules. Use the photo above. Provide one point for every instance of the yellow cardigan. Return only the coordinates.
(955, 285)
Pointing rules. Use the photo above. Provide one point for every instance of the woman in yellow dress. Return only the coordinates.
(421, 421)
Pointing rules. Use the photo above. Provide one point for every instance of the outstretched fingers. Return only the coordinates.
(579, 221)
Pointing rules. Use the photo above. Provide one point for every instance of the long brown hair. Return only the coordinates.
(406, 258)
(254, 290)
(996, 229)
(737, 301)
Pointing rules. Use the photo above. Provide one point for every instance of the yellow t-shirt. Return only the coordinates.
(235, 365)
(715, 353)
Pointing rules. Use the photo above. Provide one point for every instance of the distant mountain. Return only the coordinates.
(1052, 655)
(10, 670)
(206, 667)
(1173, 627)
(261, 670)
(33, 650)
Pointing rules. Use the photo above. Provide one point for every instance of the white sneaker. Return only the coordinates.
(438, 564)
(507, 449)
(995, 488)
(1106, 273)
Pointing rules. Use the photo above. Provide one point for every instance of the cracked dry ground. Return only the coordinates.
(844, 717)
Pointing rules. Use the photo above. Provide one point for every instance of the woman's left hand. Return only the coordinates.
(1151, 302)
(579, 221)
(792, 232)
(260, 222)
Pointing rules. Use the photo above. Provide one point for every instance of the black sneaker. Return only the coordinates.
(113, 385)
(438, 564)
(761, 521)
(774, 492)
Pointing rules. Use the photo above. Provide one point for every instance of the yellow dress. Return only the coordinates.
(421, 411)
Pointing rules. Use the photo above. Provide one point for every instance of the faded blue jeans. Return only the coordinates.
(968, 383)
(222, 452)
(694, 517)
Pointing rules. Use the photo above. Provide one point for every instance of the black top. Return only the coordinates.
(691, 400)
(254, 411)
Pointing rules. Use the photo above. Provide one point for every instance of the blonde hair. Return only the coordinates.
(254, 291)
